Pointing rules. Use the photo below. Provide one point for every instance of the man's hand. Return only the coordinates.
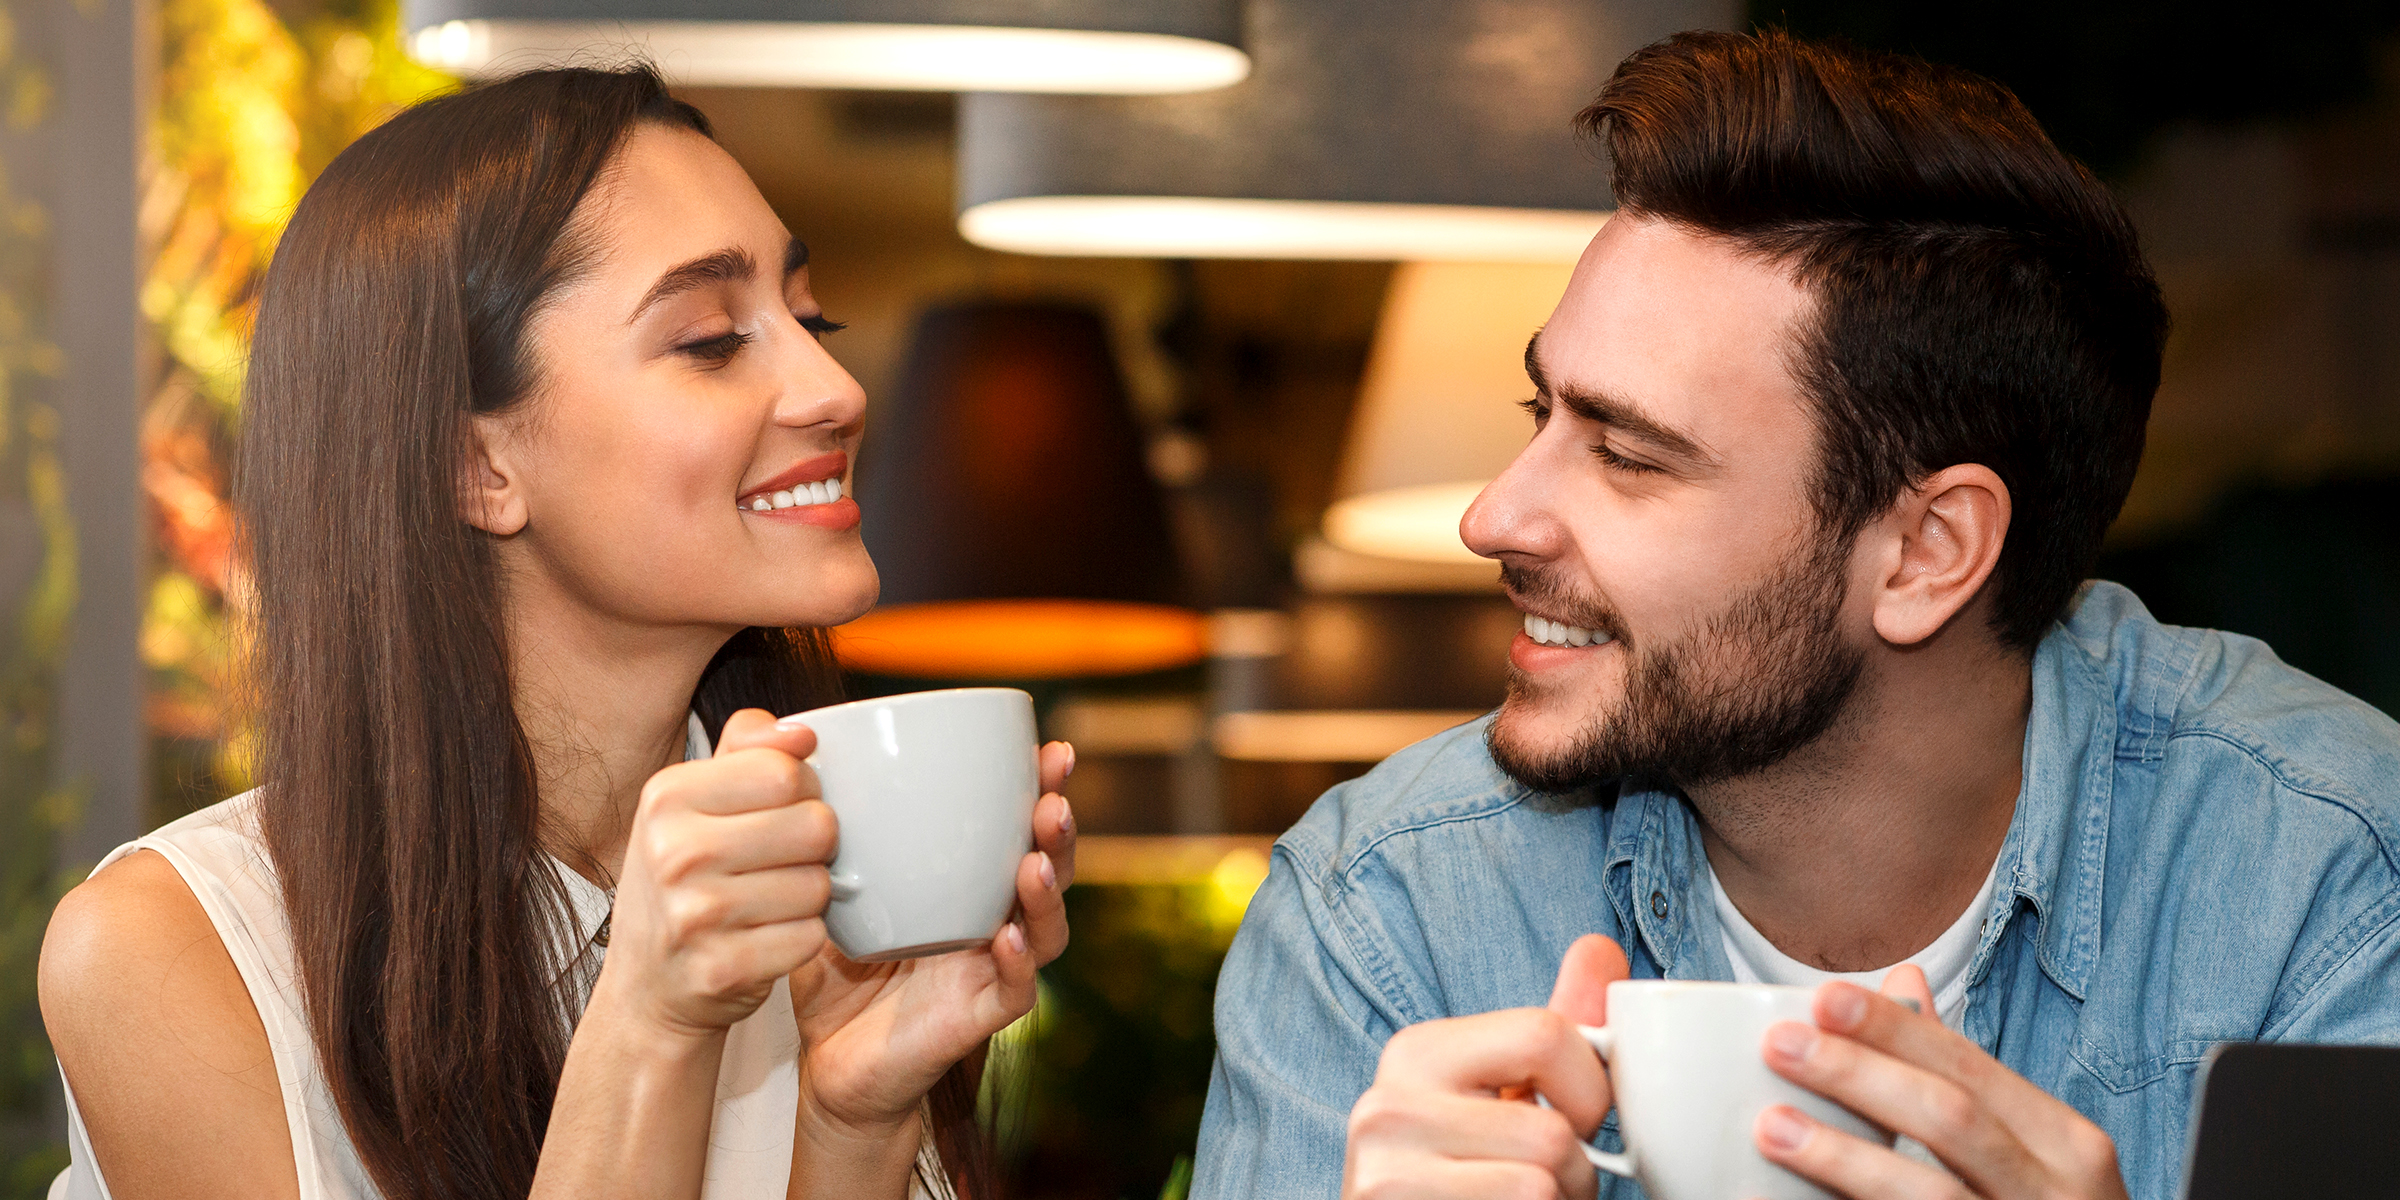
(2004, 1137)
(1448, 1113)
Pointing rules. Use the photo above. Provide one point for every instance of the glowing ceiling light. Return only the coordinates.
(1437, 415)
(1367, 129)
(1083, 46)
(1203, 227)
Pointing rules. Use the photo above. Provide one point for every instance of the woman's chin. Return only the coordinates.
(829, 603)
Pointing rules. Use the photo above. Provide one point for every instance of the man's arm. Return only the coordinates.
(1298, 1036)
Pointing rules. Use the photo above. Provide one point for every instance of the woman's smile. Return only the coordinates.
(810, 492)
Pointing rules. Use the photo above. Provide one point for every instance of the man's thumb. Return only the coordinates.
(1591, 964)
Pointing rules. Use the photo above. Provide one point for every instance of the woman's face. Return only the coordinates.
(677, 461)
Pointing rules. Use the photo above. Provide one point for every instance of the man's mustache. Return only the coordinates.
(1543, 588)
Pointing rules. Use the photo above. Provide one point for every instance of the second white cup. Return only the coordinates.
(935, 794)
(1686, 1062)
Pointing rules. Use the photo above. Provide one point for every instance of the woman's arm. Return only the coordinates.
(177, 1086)
(160, 1040)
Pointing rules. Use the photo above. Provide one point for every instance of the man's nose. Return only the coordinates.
(1510, 516)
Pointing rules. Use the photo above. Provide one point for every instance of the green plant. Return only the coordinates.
(37, 563)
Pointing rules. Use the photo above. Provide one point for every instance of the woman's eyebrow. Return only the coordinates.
(730, 265)
(795, 256)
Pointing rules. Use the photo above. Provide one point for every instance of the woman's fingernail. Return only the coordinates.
(1792, 1039)
(1049, 874)
(1846, 1006)
(1070, 756)
(794, 721)
(1784, 1129)
(1014, 935)
(1066, 816)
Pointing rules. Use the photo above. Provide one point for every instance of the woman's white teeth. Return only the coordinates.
(823, 491)
(1554, 633)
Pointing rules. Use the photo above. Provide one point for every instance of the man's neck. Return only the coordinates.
(1859, 850)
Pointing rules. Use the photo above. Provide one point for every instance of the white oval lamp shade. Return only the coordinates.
(1074, 46)
(1438, 413)
(1415, 523)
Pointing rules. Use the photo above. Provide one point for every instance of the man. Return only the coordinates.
(1827, 430)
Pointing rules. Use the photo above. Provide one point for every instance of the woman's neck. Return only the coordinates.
(604, 705)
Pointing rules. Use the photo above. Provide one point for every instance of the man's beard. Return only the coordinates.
(1763, 678)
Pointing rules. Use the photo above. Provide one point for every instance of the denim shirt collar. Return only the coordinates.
(2053, 860)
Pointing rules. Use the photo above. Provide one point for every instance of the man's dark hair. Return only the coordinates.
(1980, 297)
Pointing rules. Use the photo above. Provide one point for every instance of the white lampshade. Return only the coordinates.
(1437, 415)
(1089, 46)
(1392, 130)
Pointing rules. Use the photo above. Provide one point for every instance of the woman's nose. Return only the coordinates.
(816, 389)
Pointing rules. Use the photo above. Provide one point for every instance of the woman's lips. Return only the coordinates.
(841, 514)
(821, 469)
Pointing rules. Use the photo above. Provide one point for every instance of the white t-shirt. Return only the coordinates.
(1756, 960)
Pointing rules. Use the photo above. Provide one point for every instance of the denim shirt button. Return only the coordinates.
(1658, 905)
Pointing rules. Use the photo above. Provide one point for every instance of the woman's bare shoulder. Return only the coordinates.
(170, 1063)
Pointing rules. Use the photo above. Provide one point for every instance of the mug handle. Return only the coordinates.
(845, 886)
(1604, 1041)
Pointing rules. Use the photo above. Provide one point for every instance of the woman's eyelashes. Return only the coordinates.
(715, 351)
(718, 350)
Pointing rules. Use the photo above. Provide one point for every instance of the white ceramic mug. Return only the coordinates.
(1686, 1060)
(935, 795)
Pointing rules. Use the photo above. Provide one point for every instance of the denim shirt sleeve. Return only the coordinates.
(1287, 1071)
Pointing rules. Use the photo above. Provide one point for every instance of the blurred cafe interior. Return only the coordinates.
(1189, 328)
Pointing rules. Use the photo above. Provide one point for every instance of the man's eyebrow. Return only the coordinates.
(730, 265)
(1601, 408)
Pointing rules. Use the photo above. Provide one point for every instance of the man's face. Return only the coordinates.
(1663, 509)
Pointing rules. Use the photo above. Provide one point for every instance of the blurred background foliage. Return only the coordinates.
(37, 594)
(252, 102)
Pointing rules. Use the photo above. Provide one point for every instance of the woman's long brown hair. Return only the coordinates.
(399, 800)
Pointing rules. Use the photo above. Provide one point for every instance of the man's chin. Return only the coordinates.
(1539, 741)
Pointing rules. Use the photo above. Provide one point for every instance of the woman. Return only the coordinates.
(541, 485)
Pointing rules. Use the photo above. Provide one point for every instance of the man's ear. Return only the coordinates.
(491, 493)
(1947, 534)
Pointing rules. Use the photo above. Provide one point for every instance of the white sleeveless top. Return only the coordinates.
(219, 853)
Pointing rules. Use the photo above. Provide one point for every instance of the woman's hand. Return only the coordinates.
(876, 1036)
(724, 885)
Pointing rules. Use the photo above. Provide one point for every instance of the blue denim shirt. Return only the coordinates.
(2202, 852)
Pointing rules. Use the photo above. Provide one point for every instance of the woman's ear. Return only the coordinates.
(491, 493)
(1949, 532)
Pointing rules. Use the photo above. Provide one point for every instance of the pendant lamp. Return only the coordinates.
(1130, 46)
(1368, 129)
(1009, 510)
(1438, 413)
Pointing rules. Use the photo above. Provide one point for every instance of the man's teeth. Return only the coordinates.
(824, 491)
(1553, 633)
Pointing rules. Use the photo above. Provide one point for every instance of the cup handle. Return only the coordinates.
(845, 886)
(1604, 1042)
